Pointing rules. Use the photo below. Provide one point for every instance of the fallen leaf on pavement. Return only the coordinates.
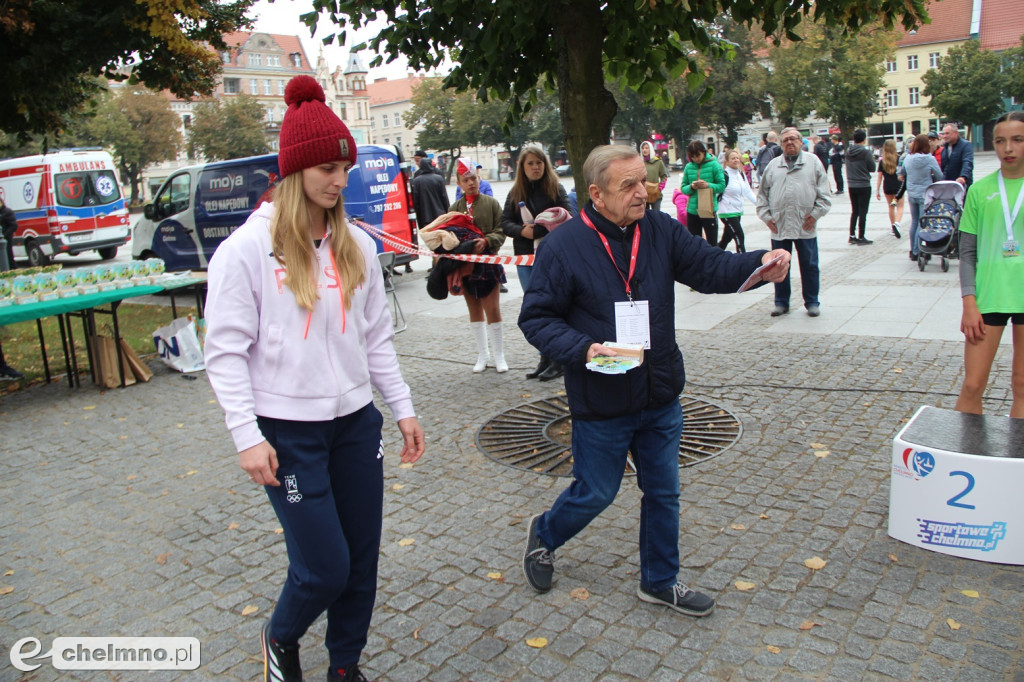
(953, 625)
(818, 446)
(580, 593)
(494, 575)
(815, 563)
(405, 542)
(416, 633)
(279, 531)
(233, 525)
(89, 407)
(249, 610)
(774, 649)
(893, 557)
(9, 572)
(738, 526)
(808, 624)
(973, 594)
(162, 559)
(6, 590)
(398, 486)
(537, 642)
(898, 370)
(763, 516)
(744, 586)
(821, 453)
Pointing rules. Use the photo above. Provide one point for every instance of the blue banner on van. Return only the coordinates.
(197, 208)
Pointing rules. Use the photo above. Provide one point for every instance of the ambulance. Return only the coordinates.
(66, 201)
(198, 207)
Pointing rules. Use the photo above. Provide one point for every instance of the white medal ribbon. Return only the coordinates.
(1010, 218)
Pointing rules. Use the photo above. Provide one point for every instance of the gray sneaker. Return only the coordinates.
(538, 560)
(680, 598)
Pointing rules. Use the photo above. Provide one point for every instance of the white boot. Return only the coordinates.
(480, 334)
(497, 340)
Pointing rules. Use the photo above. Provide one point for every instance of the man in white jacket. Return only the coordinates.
(792, 197)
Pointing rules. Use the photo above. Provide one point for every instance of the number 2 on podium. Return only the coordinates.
(955, 500)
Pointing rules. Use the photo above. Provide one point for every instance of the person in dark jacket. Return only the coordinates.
(537, 188)
(429, 193)
(835, 159)
(957, 156)
(609, 275)
(9, 224)
(821, 150)
(769, 151)
(860, 164)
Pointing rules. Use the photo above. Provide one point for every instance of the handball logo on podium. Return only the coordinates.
(915, 464)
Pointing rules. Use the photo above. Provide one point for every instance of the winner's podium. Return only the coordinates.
(957, 485)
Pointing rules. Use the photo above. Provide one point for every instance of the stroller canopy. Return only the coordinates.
(945, 190)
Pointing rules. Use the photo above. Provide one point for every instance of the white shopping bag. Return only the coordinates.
(178, 345)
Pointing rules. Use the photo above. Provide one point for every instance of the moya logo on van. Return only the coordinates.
(378, 162)
(226, 183)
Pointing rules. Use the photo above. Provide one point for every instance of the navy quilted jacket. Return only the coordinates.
(570, 305)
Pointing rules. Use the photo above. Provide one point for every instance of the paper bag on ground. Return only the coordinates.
(140, 369)
(104, 363)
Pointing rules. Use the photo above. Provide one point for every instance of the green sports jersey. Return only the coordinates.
(1000, 280)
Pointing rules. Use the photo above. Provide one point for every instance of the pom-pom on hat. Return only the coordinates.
(311, 134)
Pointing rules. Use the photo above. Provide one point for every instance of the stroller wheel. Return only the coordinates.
(945, 265)
(921, 262)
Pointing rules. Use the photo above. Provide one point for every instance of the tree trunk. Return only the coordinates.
(587, 108)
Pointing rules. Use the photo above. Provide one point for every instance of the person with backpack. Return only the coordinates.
(769, 151)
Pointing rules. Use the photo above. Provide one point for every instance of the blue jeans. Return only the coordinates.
(599, 449)
(524, 272)
(916, 209)
(807, 254)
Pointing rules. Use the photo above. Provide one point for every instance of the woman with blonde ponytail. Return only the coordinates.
(298, 336)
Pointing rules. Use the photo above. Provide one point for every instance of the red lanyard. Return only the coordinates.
(632, 257)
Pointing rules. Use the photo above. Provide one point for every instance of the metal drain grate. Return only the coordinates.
(537, 436)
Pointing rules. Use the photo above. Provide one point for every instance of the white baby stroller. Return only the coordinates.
(938, 227)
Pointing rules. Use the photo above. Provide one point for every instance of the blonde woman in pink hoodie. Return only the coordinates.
(298, 335)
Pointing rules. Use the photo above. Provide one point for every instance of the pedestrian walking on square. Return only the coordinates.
(889, 181)
(730, 209)
(536, 187)
(703, 181)
(992, 268)
(792, 198)
(957, 161)
(657, 175)
(609, 275)
(768, 152)
(920, 169)
(835, 159)
(860, 164)
(299, 334)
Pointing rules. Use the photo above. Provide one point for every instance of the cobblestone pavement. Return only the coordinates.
(124, 513)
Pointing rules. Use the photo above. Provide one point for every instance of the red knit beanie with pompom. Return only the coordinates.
(311, 134)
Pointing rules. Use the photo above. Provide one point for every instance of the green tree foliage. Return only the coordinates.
(831, 73)
(737, 84)
(138, 125)
(52, 51)
(229, 129)
(1013, 72)
(967, 85)
(433, 108)
(575, 44)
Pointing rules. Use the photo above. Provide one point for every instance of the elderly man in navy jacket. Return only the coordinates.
(957, 156)
(609, 275)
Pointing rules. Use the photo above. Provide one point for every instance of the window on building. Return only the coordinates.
(398, 120)
(933, 60)
(384, 121)
(255, 59)
(890, 66)
(296, 60)
(912, 62)
(254, 86)
(914, 96)
(373, 125)
(280, 88)
(274, 60)
(274, 145)
(270, 116)
(892, 99)
(186, 121)
(266, 86)
(230, 86)
(341, 111)
(225, 56)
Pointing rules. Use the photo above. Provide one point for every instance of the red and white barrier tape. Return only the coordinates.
(407, 247)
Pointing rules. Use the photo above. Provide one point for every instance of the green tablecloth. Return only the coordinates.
(33, 311)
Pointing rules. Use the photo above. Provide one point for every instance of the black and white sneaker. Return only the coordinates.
(8, 372)
(352, 674)
(280, 662)
(538, 560)
(679, 598)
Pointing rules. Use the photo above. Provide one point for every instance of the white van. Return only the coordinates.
(67, 201)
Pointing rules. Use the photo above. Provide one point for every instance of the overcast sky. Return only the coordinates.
(282, 17)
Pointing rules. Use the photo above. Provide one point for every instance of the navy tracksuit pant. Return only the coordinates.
(330, 504)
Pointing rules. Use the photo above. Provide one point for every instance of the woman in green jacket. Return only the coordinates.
(702, 172)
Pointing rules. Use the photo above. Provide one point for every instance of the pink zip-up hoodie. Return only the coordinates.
(266, 355)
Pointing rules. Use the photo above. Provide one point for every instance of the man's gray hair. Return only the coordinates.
(786, 130)
(595, 169)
